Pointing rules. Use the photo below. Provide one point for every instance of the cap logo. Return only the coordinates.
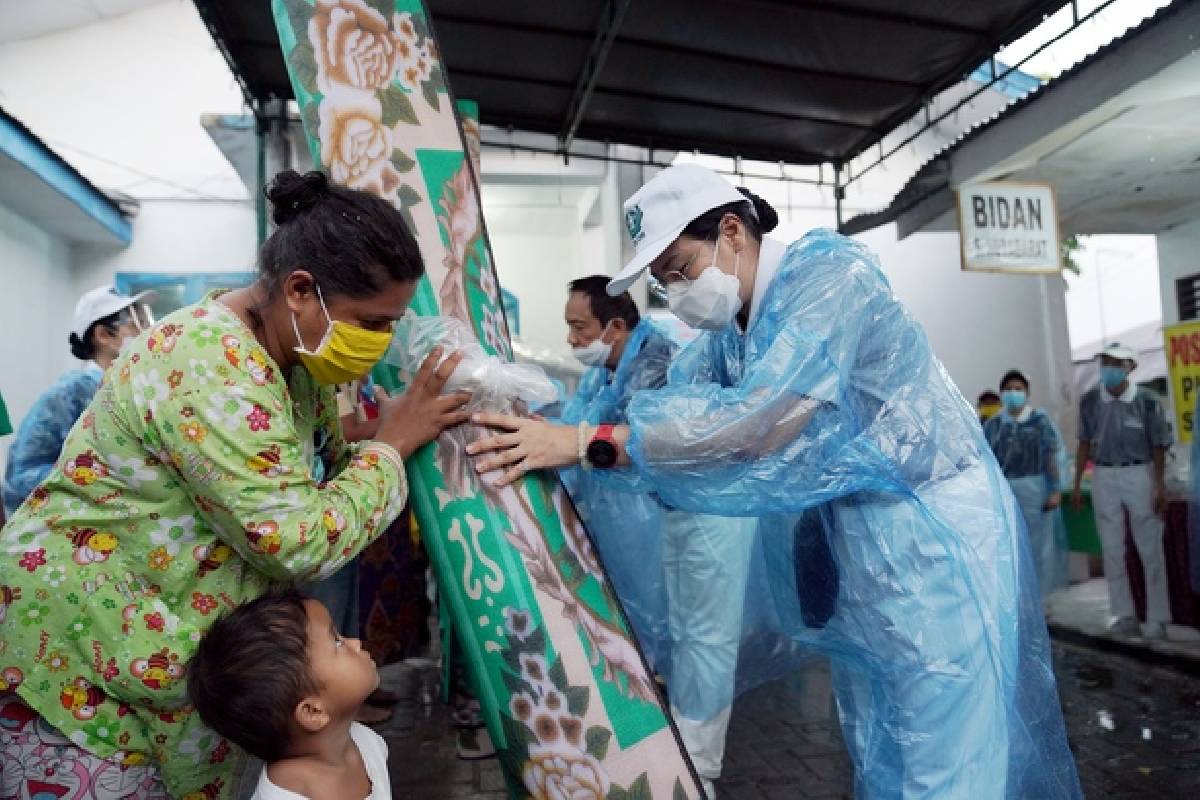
(633, 221)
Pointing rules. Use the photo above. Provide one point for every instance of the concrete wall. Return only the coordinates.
(44, 276)
(36, 305)
(1178, 256)
(537, 253)
(981, 324)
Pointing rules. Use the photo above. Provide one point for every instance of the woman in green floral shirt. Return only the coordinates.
(187, 488)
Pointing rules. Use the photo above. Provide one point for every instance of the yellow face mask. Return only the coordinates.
(989, 410)
(346, 352)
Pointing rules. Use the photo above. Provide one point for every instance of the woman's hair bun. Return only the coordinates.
(767, 218)
(291, 193)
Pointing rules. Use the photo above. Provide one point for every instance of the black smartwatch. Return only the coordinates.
(602, 449)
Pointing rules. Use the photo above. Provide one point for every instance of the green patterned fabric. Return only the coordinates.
(563, 687)
(6, 427)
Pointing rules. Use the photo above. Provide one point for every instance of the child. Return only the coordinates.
(277, 679)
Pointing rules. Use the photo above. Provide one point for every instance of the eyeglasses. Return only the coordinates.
(658, 286)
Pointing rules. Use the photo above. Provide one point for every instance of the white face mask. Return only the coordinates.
(596, 352)
(711, 301)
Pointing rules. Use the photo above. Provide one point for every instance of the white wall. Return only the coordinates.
(980, 324)
(45, 276)
(175, 236)
(537, 253)
(1178, 256)
(36, 307)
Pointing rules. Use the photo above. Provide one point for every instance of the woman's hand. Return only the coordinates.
(1053, 501)
(522, 445)
(414, 418)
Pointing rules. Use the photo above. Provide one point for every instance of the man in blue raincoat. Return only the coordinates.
(1030, 452)
(814, 388)
(680, 576)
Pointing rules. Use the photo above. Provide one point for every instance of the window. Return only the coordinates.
(1187, 293)
(178, 289)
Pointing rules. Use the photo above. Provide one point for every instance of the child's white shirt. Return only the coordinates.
(374, 752)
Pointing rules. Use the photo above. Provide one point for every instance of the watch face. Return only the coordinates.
(601, 453)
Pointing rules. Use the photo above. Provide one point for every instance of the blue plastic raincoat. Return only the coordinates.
(1030, 452)
(626, 526)
(681, 576)
(833, 402)
(42, 433)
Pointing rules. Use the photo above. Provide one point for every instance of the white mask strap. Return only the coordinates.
(296, 328)
(321, 298)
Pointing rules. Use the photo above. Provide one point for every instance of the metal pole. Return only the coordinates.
(512, 147)
(839, 194)
(260, 199)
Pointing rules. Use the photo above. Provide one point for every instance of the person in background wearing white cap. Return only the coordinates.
(813, 389)
(104, 320)
(1124, 431)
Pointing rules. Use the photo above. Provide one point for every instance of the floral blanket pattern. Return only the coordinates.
(570, 707)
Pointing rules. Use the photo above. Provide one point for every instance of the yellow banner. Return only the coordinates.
(1183, 364)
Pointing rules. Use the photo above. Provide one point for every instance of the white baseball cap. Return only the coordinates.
(102, 302)
(659, 211)
(1120, 352)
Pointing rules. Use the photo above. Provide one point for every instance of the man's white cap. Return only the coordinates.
(1120, 352)
(659, 211)
(102, 302)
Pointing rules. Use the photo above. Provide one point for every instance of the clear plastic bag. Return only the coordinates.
(494, 384)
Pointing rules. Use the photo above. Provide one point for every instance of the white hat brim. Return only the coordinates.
(641, 261)
(148, 296)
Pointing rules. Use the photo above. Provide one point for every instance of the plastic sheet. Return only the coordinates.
(834, 401)
(493, 382)
(681, 576)
(1031, 455)
(630, 542)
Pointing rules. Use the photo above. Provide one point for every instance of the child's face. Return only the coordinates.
(344, 670)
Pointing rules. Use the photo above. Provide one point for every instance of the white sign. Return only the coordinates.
(1009, 227)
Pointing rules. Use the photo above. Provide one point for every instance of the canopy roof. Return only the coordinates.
(800, 82)
(1115, 135)
(40, 185)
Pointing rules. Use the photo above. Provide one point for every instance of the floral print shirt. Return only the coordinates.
(185, 489)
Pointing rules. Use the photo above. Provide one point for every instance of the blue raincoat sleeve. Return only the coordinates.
(1031, 454)
(823, 398)
(833, 401)
(40, 438)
